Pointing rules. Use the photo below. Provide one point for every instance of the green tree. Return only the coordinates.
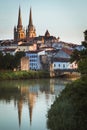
(69, 111)
(82, 66)
(1, 60)
(9, 62)
(75, 56)
(81, 58)
(17, 58)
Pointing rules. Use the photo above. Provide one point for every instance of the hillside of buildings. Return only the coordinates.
(39, 52)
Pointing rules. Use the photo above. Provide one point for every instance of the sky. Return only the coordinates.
(66, 19)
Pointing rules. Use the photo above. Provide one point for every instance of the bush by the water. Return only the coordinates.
(5, 75)
(69, 111)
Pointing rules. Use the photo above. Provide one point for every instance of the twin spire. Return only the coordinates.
(20, 18)
(30, 18)
(19, 32)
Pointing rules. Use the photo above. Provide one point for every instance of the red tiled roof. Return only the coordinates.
(68, 51)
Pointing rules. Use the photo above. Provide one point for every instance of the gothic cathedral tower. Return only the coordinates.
(19, 32)
(30, 31)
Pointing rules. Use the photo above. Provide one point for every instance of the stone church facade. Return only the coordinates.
(19, 32)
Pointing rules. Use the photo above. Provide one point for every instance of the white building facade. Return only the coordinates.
(61, 64)
(64, 64)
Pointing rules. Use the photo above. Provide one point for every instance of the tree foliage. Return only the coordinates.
(75, 56)
(9, 62)
(69, 110)
(83, 66)
(81, 58)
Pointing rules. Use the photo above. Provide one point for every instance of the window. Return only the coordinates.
(63, 65)
(54, 65)
(59, 65)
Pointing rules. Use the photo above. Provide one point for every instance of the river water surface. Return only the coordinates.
(24, 104)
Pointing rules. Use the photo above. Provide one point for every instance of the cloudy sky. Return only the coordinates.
(66, 19)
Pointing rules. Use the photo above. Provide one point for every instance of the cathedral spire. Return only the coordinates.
(30, 31)
(19, 32)
(30, 18)
(19, 19)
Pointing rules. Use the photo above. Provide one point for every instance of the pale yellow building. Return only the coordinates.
(25, 63)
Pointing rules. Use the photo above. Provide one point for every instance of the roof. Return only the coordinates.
(61, 59)
(37, 51)
(39, 38)
(66, 50)
(45, 38)
(47, 34)
(46, 47)
(52, 51)
(25, 44)
(9, 49)
(50, 38)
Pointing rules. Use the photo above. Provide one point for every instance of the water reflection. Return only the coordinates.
(29, 94)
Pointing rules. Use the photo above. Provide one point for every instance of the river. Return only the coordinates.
(24, 104)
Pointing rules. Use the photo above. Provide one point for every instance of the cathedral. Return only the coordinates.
(20, 33)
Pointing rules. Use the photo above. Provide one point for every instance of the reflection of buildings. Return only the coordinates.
(20, 106)
(52, 86)
(28, 94)
(31, 102)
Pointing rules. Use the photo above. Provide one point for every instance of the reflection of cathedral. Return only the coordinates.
(19, 32)
(30, 97)
(31, 102)
(30, 94)
(27, 94)
(20, 106)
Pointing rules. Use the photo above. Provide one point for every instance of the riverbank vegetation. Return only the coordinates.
(69, 111)
(11, 75)
(7, 64)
